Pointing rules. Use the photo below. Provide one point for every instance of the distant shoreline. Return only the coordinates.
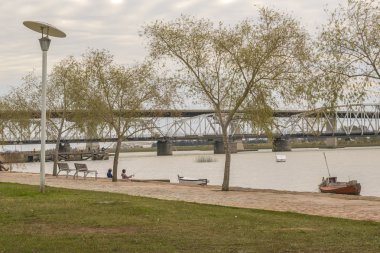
(247, 147)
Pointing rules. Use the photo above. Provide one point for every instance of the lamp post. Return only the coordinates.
(45, 30)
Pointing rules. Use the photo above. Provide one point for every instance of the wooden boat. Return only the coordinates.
(331, 185)
(192, 181)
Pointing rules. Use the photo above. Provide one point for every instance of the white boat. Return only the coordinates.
(192, 181)
(280, 158)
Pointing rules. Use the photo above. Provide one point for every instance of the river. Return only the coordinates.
(302, 170)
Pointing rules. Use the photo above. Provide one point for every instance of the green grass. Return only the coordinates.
(62, 220)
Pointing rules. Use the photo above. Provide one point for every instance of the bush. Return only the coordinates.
(205, 159)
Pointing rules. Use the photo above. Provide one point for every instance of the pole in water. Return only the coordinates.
(327, 166)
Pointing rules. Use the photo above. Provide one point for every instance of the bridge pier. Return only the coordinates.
(281, 144)
(65, 147)
(219, 147)
(239, 145)
(164, 148)
(331, 142)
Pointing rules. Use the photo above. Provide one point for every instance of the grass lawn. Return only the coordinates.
(62, 220)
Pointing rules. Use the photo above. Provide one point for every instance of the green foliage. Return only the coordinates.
(113, 96)
(80, 221)
(260, 114)
(250, 66)
(19, 108)
(349, 53)
(92, 94)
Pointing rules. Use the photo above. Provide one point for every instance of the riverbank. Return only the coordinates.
(302, 171)
(329, 205)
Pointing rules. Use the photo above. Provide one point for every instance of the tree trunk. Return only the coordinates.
(116, 159)
(227, 162)
(56, 152)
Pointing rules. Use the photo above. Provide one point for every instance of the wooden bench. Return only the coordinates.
(82, 167)
(65, 168)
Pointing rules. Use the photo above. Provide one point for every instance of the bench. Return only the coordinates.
(65, 168)
(82, 167)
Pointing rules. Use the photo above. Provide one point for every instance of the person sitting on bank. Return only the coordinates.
(2, 167)
(125, 176)
(109, 173)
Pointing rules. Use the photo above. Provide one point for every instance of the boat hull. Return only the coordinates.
(353, 189)
(192, 181)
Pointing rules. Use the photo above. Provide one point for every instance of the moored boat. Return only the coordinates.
(151, 180)
(331, 185)
(192, 181)
(280, 158)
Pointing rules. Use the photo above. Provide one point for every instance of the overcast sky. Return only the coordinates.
(114, 25)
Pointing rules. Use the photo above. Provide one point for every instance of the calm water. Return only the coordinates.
(302, 171)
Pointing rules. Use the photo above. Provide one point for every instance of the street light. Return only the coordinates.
(45, 30)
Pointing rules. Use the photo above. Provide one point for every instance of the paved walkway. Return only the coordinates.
(343, 206)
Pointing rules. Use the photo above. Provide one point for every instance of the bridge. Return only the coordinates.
(345, 120)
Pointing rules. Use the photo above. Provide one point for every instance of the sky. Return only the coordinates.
(115, 24)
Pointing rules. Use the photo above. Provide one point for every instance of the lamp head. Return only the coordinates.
(44, 28)
(44, 43)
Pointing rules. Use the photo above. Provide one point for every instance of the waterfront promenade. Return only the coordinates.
(341, 206)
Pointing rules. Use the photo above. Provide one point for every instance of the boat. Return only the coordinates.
(280, 158)
(192, 181)
(151, 180)
(331, 185)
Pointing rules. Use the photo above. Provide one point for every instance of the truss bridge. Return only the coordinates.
(344, 120)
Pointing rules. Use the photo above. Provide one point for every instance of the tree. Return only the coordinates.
(19, 108)
(62, 90)
(23, 105)
(349, 46)
(114, 95)
(246, 67)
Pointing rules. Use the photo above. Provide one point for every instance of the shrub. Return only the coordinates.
(205, 159)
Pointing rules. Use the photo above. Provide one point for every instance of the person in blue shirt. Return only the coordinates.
(109, 173)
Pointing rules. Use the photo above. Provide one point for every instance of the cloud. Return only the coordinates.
(115, 27)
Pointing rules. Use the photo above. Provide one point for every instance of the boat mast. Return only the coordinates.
(327, 166)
